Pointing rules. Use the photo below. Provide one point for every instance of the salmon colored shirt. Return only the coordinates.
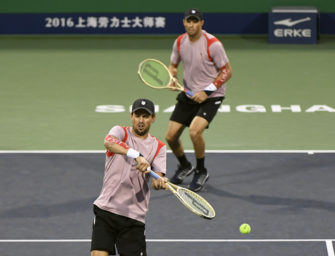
(125, 190)
(202, 61)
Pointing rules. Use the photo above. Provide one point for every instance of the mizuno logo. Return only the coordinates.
(290, 23)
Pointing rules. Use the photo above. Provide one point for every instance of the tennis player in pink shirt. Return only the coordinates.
(206, 71)
(121, 207)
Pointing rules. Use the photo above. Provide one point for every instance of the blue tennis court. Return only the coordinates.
(286, 197)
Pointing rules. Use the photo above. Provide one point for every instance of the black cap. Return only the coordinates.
(145, 104)
(193, 12)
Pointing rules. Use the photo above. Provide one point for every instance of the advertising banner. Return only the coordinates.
(293, 25)
(128, 23)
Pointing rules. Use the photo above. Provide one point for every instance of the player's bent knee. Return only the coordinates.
(170, 138)
(194, 134)
(167, 138)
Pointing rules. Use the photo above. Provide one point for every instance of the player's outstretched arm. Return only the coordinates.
(114, 145)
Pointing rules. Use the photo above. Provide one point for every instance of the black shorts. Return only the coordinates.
(110, 230)
(186, 109)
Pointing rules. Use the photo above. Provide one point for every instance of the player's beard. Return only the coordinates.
(193, 33)
(141, 131)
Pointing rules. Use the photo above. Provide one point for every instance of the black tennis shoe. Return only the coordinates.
(181, 173)
(199, 179)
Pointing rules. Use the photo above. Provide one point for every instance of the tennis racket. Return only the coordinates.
(156, 75)
(191, 200)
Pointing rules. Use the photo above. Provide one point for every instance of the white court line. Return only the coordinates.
(45, 240)
(328, 241)
(237, 240)
(330, 248)
(310, 151)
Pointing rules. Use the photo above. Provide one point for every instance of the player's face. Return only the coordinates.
(141, 120)
(193, 27)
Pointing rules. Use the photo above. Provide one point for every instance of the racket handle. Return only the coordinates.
(155, 175)
(188, 92)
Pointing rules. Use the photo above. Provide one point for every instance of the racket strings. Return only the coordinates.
(196, 202)
(154, 74)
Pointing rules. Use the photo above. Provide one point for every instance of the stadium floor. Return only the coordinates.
(287, 198)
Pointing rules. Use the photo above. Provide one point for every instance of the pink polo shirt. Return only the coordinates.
(202, 61)
(125, 190)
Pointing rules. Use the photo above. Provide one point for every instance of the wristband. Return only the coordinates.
(133, 153)
(210, 89)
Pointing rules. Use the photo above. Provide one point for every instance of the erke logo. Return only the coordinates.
(143, 102)
(287, 32)
(290, 23)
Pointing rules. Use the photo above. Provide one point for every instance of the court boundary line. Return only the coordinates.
(311, 151)
(327, 241)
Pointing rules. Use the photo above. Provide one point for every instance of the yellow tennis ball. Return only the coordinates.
(245, 228)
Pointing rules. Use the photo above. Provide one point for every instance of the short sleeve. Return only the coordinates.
(118, 132)
(218, 54)
(175, 57)
(159, 163)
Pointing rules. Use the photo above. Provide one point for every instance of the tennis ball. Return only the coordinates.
(245, 228)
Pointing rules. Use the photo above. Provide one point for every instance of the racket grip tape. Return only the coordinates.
(155, 175)
(188, 92)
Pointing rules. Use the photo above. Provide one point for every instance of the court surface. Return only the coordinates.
(65, 93)
(287, 198)
(53, 89)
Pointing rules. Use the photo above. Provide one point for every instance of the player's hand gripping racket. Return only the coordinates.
(156, 75)
(191, 200)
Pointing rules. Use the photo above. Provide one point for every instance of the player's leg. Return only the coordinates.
(196, 130)
(172, 137)
(131, 240)
(200, 122)
(181, 117)
(103, 233)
